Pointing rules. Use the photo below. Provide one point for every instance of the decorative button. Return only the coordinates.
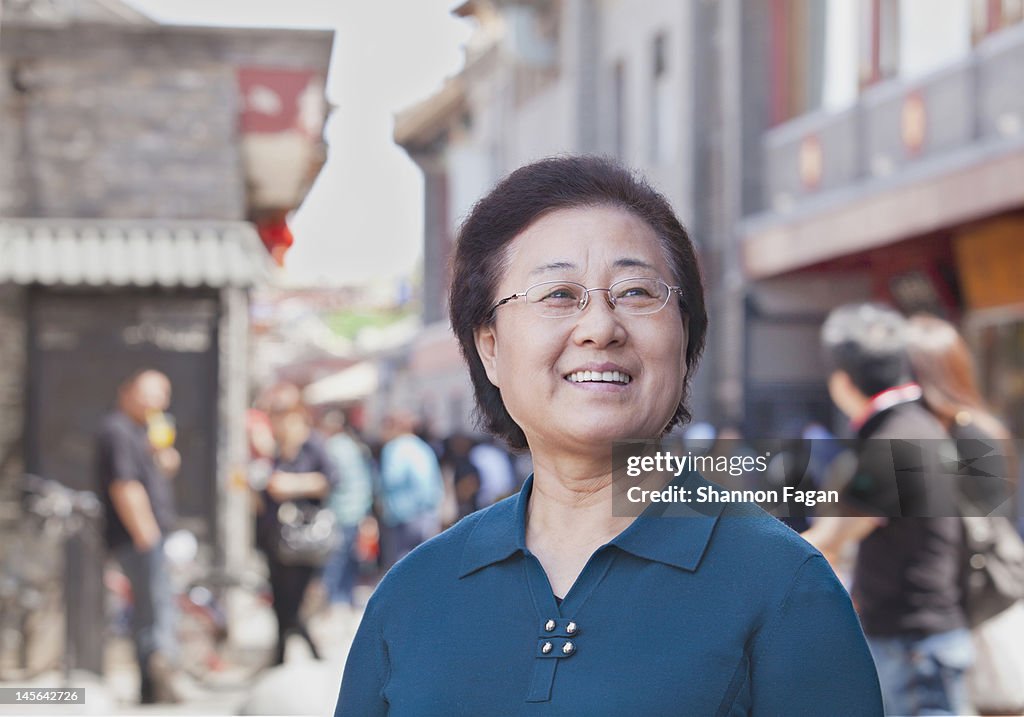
(567, 648)
(546, 648)
(549, 625)
(571, 628)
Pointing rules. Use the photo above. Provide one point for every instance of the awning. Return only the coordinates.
(353, 384)
(97, 252)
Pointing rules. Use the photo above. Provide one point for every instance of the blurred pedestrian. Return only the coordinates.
(823, 448)
(302, 477)
(136, 462)
(496, 471)
(578, 304)
(943, 366)
(907, 574)
(351, 501)
(411, 488)
(464, 476)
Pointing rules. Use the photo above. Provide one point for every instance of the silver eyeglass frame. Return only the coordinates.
(585, 301)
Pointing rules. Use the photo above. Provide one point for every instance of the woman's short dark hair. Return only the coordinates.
(520, 199)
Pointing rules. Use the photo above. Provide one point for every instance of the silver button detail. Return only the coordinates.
(567, 648)
(571, 628)
(546, 648)
(549, 625)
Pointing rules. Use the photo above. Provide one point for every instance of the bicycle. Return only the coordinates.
(34, 624)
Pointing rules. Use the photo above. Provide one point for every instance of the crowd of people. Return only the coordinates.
(382, 497)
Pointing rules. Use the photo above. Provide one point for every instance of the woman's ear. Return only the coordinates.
(486, 341)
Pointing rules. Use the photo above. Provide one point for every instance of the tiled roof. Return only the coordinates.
(83, 252)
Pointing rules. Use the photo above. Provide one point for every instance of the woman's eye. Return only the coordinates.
(559, 294)
(634, 291)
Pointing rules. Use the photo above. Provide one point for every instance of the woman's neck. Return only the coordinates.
(571, 503)
(570, 515)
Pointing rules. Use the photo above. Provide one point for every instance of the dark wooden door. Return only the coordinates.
(83, 345)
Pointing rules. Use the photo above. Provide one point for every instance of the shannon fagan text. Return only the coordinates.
(708, 494)
(664, 461)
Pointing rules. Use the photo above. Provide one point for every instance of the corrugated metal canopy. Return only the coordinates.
(83, 252)
(353, 384)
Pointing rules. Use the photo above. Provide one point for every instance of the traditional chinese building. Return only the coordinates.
(887, 143)
(145, 172)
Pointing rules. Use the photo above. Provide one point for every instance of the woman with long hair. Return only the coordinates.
(944, 368)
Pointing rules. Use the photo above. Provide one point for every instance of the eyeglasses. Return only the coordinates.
(559, 299)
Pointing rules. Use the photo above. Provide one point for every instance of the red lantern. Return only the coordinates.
(277, 237)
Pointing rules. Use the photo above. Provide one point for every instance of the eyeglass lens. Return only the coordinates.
(564, 298)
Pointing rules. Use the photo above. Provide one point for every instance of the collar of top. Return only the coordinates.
(676, 537)
(884, 400)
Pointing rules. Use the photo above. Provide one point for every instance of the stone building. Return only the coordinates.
(819, 153)
(140, 166)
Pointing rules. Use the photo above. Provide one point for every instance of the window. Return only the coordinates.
(814, 54)
(879, 33)
(980, 19)
(988, 16)
(1013, 12)
(619, 109)
(661, 127)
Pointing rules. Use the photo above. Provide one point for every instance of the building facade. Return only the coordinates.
(890, 157)
(144, 168)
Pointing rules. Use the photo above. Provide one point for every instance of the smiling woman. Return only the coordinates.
(578, 303)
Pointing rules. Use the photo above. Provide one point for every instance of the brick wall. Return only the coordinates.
(11, 189)
(12, 385)
(134, 122)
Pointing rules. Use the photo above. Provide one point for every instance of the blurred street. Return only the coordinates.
(302, 686)
(231, 396)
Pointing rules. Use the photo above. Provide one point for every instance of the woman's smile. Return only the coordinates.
(600, 378)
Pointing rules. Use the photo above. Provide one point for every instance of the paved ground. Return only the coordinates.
(302, 686)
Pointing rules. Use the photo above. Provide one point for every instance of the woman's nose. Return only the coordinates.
(598, 322)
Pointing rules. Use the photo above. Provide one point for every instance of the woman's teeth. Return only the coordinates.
(600, 376)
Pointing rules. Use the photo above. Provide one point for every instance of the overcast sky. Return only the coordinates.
(364, 216)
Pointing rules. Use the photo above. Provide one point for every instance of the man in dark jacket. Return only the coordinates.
(136, 461)
(907, 576)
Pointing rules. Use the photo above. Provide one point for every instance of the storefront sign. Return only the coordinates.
(991, 262)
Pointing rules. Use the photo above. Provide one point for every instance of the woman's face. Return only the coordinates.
(535, 361)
